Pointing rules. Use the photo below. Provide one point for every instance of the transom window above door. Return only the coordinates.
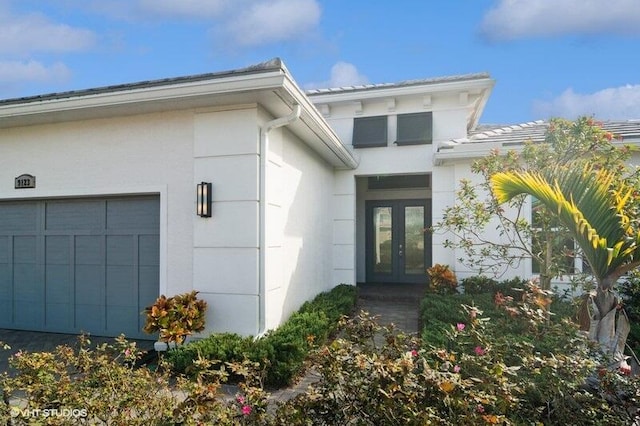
(411, 129)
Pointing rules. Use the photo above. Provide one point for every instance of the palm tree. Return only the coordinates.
(598, 209)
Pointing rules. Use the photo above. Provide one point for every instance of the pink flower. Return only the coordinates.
(480, 408)
(127, 352)
(460, 326)
(456, 369)
(240, 399)
(414, 353)
(479, 350)
(246, 410)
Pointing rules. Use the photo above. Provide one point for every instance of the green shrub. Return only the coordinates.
(478, 284)
(218, 348)
(438, 312)
(291, 343)
(630, 291)
(280, 352)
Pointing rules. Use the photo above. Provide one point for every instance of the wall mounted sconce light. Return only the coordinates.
(203, 199)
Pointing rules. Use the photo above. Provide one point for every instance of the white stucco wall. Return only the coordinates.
(226, 246)
(449, 121)
(298, 224)
(138, 154)
(446, 182)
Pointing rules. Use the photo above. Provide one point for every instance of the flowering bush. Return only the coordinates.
(442, 280)
(529, 370)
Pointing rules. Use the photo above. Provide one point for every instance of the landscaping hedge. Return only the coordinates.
(280, 352)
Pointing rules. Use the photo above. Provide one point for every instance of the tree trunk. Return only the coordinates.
(609, 324)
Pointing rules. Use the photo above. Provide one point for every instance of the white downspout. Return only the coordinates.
(262, 206)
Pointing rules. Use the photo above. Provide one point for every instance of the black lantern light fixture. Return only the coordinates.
(203, 199)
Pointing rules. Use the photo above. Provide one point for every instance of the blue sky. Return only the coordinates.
(548, 57)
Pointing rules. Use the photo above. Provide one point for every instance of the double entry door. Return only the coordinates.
(398, 246)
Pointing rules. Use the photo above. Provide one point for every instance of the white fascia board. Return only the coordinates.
(473, 151)
(398, 91)
(318, 126)
(180, 92)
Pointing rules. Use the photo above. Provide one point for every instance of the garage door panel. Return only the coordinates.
(24, 249)
(121, 288)
(18, 217)
(120, 319)
(57, 250)
(6, 281)
(26, 284)
(90, 318)
(148, 277)
(89, 284)
(148, 250)
(74, 215)
(89, 250)
(133, 214)
(120, 250)
(29, 314)
(6, 311)
(59, 316)
(5, 250)
(79, 265)
(58, 284)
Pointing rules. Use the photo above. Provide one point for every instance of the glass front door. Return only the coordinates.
(398, 248)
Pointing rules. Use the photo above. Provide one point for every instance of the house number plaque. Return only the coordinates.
(25, 181)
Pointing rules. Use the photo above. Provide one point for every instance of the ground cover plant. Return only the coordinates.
(517, 367)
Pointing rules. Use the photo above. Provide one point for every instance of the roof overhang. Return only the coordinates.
(472, 90)
(269, 85)
(468, 152)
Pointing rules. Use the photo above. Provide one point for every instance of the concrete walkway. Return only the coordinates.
(392, 303)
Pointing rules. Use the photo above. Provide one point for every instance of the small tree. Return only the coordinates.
(539, 236)
(600, 211)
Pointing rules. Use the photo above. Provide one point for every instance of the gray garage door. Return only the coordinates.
(75, 265)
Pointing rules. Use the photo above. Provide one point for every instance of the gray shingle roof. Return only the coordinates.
(535, 131)
(270, 65)
(407, 83)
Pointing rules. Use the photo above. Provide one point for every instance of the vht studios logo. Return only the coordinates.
(48, 412)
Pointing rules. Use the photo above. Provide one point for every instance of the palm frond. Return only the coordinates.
(591, 204)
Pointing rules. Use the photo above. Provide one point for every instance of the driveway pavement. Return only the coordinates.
(32, 341)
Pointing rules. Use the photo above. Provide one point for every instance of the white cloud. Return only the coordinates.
(29, 71)
(185, 8)
(513, 19)
(618, 103)
(35, 33)
(267, 21)
(342, 74)
(235, 23)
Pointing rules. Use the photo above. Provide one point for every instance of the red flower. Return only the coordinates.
(479, 351)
